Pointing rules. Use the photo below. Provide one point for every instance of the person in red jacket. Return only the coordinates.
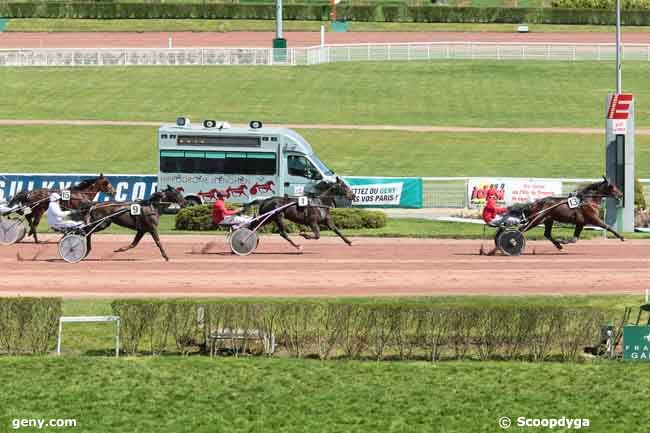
(224, 216)
(491, 211)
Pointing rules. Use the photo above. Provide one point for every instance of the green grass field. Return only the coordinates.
(160, 25)
(279, 395)
(463, 93)
(133, 149)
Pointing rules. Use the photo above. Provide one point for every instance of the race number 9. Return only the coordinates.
(573, 202)
(303, 201)
(65, 195)
(136, 209)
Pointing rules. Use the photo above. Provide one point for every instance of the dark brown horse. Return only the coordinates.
(548, 210)
(38, 199)
(146, 222)
(314, 215)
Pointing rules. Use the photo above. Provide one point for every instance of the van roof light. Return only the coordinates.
(183, 122)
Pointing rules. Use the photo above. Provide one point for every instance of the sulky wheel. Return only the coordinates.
(11, 231)
(243, 241)
(73, 248)
(511, 242)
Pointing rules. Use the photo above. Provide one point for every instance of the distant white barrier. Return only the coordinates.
(317, 55)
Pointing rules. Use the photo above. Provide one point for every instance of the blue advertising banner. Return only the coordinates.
(127, 187)
(403, 192)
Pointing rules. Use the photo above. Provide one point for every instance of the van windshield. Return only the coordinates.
(321, 166)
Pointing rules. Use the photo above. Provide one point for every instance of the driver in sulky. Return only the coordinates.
(223, 216)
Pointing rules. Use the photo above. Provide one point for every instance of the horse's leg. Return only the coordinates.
(315, 229)
(283, 231)
(36, 222)
(156, 238)
(598, 223)
(548, 227)
(576, 234)
(136, 240)
(331, 226)
(89, 245)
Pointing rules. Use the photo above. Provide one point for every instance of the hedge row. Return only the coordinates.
(28, 325)
(199, 218)
(378, 12)
(601, 4)
(338, 329)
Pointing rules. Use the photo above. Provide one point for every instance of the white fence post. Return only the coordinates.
(574, 52)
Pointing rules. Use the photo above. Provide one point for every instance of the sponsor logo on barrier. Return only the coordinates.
(378, 193)
(636, 343)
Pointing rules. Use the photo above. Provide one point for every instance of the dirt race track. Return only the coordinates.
(295, 39)
(203, 266)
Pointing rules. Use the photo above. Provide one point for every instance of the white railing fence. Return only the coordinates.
(317, 55)
(452, 192)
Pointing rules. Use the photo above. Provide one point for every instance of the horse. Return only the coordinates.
(259, 187)
(550, 209)
(314, 215)
(146, 222)
(38, 199)
(239, 191)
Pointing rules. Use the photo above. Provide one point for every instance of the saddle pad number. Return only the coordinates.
(136, 209)
(303, 201)
(573, 202)
(65, 195)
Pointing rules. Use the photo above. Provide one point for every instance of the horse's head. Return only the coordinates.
(609, 189)
(105, 185)
(338, 192)
(603, 188)
(173, 195)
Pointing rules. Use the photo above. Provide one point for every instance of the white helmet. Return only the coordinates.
(55, 197)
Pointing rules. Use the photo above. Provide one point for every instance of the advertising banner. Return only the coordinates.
(403, 192)
(636, 343)
(511, 191)
(370, 191)
(127, 187)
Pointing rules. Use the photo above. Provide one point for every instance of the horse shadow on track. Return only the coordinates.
(230, 254)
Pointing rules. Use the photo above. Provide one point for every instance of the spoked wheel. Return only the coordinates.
(243, 241)
(511, 242)
(11, 231)
(73, 248)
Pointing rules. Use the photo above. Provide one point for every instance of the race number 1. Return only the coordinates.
(573, 202)
(303, 201)
(65, 195)
(136, 209)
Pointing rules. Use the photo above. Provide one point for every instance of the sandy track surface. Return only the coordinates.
(203, 266)
(295, 39)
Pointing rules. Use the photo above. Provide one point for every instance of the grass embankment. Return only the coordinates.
(197, 25)
(262, 395)
(461, 93)
(133, 149)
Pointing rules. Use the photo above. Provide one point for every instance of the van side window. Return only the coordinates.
(196, 162)
(300, 166)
